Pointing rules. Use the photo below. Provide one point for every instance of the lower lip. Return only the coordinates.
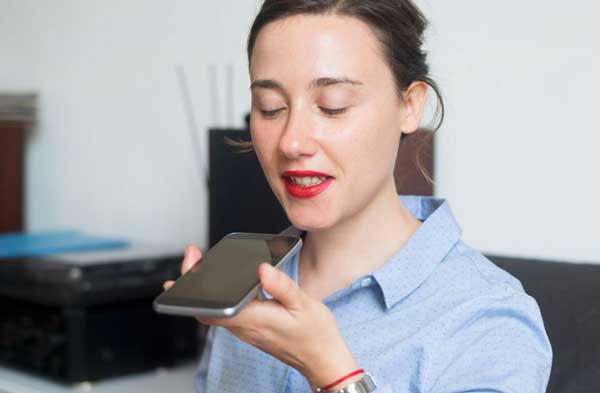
(306, 192)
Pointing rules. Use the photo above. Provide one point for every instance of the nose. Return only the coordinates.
(297, 139)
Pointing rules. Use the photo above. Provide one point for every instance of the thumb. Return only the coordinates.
(280, 286)
(192, 256)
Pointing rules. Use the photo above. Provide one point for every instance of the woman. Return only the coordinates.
(383, 288)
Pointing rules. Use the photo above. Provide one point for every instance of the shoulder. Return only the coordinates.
(473, 295)
(488, 328)
(471, 270)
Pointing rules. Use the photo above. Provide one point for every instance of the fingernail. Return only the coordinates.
(186, 252)
(269, 270)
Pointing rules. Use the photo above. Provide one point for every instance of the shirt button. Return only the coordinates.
(366, 282)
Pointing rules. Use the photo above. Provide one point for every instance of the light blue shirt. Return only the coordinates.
(437, 317)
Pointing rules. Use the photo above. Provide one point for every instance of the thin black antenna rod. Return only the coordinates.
(192, 126)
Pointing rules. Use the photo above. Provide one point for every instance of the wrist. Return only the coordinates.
(329, 368)
(363, 384)
(343, 382)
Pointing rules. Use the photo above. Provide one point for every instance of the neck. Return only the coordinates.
(336, 256)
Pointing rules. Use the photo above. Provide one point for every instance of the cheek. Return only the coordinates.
(366, 147)
(383, 140)
(264, 141)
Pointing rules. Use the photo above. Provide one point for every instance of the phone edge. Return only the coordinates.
(223, 312)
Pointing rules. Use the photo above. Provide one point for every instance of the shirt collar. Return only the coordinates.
(406, 270)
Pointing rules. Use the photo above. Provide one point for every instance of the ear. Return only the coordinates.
(414, 100)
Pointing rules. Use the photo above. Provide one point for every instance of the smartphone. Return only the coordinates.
(227, 277)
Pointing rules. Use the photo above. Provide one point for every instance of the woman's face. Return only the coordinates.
(326, 117)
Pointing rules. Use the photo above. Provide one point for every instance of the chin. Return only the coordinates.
(309, 221)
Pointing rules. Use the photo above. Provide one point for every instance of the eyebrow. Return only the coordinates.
(314, 84)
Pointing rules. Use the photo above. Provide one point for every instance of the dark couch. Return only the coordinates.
(569, 297)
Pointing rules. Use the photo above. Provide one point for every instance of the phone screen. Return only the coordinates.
(229, 270)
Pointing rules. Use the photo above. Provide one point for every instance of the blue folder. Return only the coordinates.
(20, 245)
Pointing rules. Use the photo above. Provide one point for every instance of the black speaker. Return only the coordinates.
(240, 199)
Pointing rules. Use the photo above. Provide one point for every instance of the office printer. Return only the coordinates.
(85, 316)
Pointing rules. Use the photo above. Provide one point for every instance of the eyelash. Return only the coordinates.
(327, 111)
(333, 112)
(271, 114)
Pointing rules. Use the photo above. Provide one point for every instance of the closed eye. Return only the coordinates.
(271, 113)
(333, 111)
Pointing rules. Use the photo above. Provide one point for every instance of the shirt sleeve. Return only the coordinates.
(202, 370)
(498, 346)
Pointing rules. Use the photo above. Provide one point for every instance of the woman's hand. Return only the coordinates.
(293, 327)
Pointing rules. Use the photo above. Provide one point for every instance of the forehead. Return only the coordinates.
(303, 47)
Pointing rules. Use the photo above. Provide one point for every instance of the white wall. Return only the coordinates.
(112, 154)
(519, 154)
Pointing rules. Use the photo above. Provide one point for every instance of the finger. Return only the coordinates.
(224, 322)
(280, 286)
(192, 256)
(168, 284)
(208, 321)
(246, 317)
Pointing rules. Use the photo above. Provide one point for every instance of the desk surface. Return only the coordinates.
(175, 380)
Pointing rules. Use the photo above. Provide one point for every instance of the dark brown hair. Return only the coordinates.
(399, 26)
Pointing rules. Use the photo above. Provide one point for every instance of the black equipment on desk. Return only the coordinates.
(240, 198)
(85, 316)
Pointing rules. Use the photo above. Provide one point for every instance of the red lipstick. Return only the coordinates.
(305, 192)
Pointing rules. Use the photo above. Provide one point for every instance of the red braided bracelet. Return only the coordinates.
(353, 373)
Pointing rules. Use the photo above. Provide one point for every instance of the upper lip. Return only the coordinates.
(301, 173)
